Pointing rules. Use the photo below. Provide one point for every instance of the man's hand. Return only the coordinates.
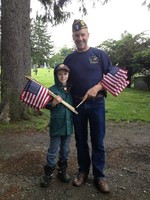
(92, 92)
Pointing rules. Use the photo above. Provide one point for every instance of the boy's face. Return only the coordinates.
(62, 76)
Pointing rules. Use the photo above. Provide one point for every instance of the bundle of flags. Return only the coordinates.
(35, 95)
(115, 81)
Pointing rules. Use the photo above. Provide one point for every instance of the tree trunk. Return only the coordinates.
(15, 56)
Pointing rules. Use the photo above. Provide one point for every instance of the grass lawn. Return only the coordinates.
(44, 76)
(130, 105)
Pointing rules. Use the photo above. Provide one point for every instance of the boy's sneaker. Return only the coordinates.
(48, 173)
(64, 177)
(45, 181)
(62, 171)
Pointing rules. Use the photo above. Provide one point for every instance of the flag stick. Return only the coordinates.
(80, 103)
(54, 95)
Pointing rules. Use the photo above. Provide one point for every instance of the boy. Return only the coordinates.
(60, 128)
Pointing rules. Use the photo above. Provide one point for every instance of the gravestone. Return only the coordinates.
(140, 83)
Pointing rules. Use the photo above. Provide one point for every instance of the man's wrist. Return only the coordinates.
(99, 86)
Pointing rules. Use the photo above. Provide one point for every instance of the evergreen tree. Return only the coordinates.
(41, 44)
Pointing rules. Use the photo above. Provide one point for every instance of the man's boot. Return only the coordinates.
(62, 174)
(48, 173)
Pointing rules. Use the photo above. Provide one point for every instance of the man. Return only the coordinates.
(87, 66)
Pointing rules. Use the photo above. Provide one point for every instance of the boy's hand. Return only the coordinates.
(56, 101)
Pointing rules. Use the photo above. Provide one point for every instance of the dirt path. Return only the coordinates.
(128, 166)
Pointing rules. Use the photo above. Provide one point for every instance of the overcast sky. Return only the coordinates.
(104, 22)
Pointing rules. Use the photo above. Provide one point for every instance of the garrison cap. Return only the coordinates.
(78, 24)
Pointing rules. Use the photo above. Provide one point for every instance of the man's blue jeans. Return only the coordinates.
(59, 148)
(92, 113)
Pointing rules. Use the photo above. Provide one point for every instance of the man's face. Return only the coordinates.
(81, 39)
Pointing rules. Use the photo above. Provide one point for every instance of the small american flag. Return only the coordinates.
(115, 81)
(35, 95)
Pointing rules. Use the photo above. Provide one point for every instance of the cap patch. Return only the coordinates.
(78, 25)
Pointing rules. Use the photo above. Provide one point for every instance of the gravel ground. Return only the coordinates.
(127, 166)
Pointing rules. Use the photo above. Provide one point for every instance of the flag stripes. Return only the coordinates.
(35, 95)
(115, 81)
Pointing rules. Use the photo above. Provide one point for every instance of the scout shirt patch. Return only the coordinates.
(93, 59)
